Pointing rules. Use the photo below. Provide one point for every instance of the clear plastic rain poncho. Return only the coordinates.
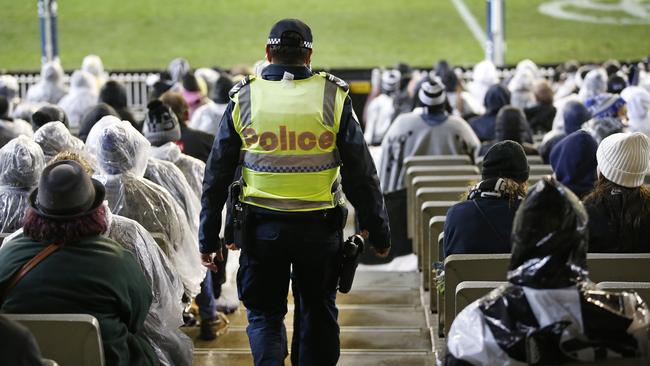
(93, 65)
(162, 324)
(167, 175)
(49, 88)
(9, 130)
(82, 96)
(54, 137)
(192, 168)
(484, 75)
(550, 312)
(121, 153)
(21, 163)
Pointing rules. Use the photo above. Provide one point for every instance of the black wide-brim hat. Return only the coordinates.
(66, 191)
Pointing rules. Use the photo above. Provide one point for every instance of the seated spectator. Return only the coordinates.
(122, 155)
(484, 76)
(637, 100)
(380, 111)
(619, 206)
(54, 137)
(600, 128)
(496, 97)
(521, 89)
(67, 217)
(11, 128)
(511, 125)
(575, 115)
(92, 116)
(162, 129)
(194, 143)
(616, 84)
(50, 88)
(482, 223)
(113, 93)
(161, 327)
(461, 101)
(593, 84)
(18, 346)
(428, 130)
(21, 163)
(194, 91)
(93, 65)
(574, 162)
(540, 116)
(82, 96)
(606, 106)
(549, 313)
(208, 116)
(176, 69)
(49, 113)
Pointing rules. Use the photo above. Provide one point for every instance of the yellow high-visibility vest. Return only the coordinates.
(288, 131)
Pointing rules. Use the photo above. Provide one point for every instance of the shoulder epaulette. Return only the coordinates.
(243, 82)
(336, 80)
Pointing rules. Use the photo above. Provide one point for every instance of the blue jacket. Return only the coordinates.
(468, 232)
(358, 174)
(495, 98)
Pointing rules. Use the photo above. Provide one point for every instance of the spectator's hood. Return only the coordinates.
(21, 163)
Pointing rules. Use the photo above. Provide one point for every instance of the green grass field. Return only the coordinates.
(144, 34)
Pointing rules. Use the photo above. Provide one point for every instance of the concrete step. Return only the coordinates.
(371, 296)
(351, 339)
(359, 316)
(241, 358)
(386, 280)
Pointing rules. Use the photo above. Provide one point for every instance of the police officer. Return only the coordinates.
(295, 139)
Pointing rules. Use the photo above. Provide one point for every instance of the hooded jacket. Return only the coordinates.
(510, 124)
(574, 162)
(122, 156)
(49, 89)
(575, 114)
(496, 97)
(82, 96)
(549, 313)
(484, 75)
(21, 163)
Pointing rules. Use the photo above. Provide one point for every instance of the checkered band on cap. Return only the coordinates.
(276, 41)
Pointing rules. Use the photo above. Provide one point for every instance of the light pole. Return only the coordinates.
(49, 34)
(495, 49)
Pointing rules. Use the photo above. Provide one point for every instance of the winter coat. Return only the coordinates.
(540, 117)
(496, 97)
(195, 143)
(108, 284)
(468, 231)
(418, 133)
(575, 114)
(21, 163)
(511, 125)
(549, 312)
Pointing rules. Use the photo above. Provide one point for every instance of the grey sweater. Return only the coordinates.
(415, 134)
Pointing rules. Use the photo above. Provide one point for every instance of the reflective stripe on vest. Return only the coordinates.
(288, 131)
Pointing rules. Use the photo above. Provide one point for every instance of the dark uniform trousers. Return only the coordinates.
(305, 248)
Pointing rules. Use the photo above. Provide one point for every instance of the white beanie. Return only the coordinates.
(623, 158)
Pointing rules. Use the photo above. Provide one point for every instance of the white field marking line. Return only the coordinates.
(471, 22)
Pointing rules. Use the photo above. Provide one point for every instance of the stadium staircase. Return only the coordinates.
(383, 322)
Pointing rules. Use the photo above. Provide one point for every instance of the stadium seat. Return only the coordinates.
(541, 170)
(434, 194)
(67, 339)
(436, 160)
(469, 291)
(532, 160)
(460, 181)
(436, 227)
(642, 288)
(428, 210)
(493, 267)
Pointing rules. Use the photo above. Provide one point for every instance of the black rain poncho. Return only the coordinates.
(549, 313)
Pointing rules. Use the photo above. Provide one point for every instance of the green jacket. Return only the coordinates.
(93, 276)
